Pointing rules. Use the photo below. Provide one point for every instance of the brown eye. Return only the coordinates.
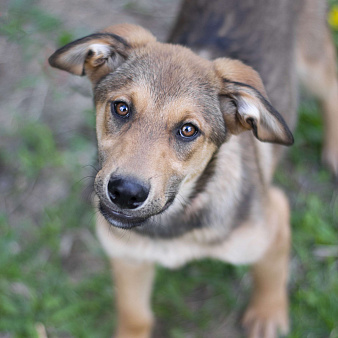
(188, 130)
(121, 109)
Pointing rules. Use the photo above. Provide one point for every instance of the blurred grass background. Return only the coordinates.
(54, 276)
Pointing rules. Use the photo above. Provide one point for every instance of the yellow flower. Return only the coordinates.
(333, 17)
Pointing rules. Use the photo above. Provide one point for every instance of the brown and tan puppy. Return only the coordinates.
(179, 168)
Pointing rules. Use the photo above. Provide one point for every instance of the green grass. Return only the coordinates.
(69, 291)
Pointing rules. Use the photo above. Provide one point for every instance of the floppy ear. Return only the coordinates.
(245, 106)
(99, 54)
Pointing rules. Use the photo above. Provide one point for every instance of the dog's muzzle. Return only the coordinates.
(127, 193)
(123, 196)
(125, 203)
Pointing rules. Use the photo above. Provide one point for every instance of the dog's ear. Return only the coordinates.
(245, 106)
(99, 54)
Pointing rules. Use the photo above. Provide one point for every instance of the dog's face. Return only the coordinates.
(158, 125)
(162, 113)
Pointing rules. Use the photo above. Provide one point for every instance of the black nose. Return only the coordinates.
(127, 193)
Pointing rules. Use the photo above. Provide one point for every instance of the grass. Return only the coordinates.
(52, 270)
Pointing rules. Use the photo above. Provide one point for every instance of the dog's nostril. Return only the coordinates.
(113, 195)
(127, 193)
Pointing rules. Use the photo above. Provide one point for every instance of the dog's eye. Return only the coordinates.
(188, 130)
(121, 108)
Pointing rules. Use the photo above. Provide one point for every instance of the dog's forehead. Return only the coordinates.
(170, 83)
(174, 69)
(168, 71)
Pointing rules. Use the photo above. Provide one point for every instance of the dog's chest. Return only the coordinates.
(237, 248)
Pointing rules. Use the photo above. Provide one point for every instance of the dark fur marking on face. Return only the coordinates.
(184, 150)
(207, 174)
(109, 83)
(117, 124)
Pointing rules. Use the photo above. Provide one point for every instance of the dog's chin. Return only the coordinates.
(123, 221)
(120, 220)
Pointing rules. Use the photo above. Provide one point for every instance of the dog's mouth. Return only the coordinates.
(121, 220)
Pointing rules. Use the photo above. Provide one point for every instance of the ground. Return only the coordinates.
(54, 277)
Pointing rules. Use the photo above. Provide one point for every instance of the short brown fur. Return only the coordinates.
(208, 194)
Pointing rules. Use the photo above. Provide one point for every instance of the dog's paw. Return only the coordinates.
(132, 334)
(262, 320)
(330, 158)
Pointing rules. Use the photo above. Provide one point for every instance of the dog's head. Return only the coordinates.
(162, 113)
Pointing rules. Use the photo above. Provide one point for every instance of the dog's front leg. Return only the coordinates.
(133, 284)
(267, 313)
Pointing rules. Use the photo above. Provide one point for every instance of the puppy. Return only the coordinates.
(188, 144)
